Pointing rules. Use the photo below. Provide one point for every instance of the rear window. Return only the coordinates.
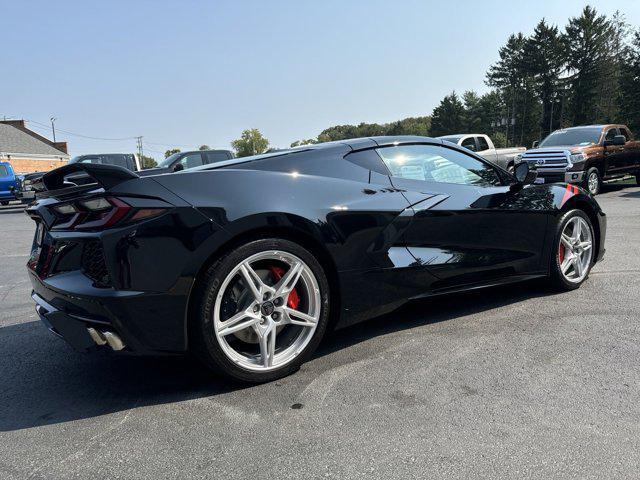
(4, 171)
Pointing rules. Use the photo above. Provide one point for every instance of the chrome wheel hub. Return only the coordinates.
(263, 321)
(575, 250)
(593, 183)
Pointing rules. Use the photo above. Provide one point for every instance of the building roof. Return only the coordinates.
(16, 139)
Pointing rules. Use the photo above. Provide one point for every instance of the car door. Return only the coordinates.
(631, 152)
(467, 227)
(613, 154)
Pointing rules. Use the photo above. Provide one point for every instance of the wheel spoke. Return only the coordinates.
(253, 281)
(566, 240)
(296, 317)
(577, 230)
(239, 321)
(566, 264)
(289, 280)
(577, 265)
(585, 246)
(268, 345)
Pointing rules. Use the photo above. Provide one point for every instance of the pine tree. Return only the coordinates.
(630, 85)
(448, 116)
(587, 39)
(544, 60)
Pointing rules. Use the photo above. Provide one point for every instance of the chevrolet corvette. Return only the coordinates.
(248, 263)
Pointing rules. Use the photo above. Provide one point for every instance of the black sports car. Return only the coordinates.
(247, 263)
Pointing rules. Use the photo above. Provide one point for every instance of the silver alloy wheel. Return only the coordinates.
(575, 250)
(593, 182)
(266, 313)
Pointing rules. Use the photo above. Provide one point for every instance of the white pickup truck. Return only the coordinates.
(483, 146)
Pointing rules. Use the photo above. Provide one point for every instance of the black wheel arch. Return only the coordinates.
(590, 210)
(301, 237)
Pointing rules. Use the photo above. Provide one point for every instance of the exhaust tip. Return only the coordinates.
(96, 336)
(106, 338)
(114, 341)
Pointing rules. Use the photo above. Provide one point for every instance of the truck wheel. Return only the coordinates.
(4, 203)
(637, 178)
(592, 181)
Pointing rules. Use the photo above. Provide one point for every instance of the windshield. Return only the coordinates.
(578, 137)
(169, 160)
(452, 139)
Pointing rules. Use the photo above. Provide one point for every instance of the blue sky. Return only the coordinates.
(192, 72)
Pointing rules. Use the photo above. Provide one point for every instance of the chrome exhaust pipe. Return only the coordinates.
(106, 337)
(114, 341)
(96, 336)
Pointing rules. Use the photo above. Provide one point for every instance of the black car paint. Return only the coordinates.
(382, 240)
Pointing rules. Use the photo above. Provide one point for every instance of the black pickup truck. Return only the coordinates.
(585, 156)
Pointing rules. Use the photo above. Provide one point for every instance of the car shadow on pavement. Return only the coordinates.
(43, 381)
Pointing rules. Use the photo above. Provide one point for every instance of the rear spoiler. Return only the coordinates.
(107, 176)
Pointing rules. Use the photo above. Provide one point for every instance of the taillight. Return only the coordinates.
(100, 213)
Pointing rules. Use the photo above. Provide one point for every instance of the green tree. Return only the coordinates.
(448, 116)
(308, 141)
(148, 162)
(409, 126)
(587, 38)
(170, 152)
(251, 142)
(544, 61)
(630, 85)
(204, 147)
(509, 76)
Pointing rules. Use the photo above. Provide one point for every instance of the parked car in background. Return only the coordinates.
(483, 146)
(32, 182)
(8, 183)
(186, 160)
(586, 156)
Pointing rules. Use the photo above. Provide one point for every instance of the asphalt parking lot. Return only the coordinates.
(508, 382)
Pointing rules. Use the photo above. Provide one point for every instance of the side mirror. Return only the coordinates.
(619, 140)
(524, 176)
(535, 144)
(470, 147)
(177, 167)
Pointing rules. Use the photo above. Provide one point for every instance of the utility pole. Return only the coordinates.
(53, 127)
(140, 150)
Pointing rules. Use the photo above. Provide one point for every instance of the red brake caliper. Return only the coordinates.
(561, 253)
(294, 298)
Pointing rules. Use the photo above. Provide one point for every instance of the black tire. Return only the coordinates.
(4, 203)
(558, 281)
(637, 178)
(593, 188)
(204, 343)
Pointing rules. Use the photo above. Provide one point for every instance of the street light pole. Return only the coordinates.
(53, 127)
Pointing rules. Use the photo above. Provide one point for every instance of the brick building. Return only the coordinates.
(28, 151)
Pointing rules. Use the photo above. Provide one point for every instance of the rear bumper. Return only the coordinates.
(72, 309)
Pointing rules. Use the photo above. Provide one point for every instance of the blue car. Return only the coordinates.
(8, 183)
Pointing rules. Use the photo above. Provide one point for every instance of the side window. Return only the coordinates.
(482, 144)
(432, 163)
(213, 157)
(625, 133)
(469, 144)
(92, 160)
(612, 132)
(191, 160)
